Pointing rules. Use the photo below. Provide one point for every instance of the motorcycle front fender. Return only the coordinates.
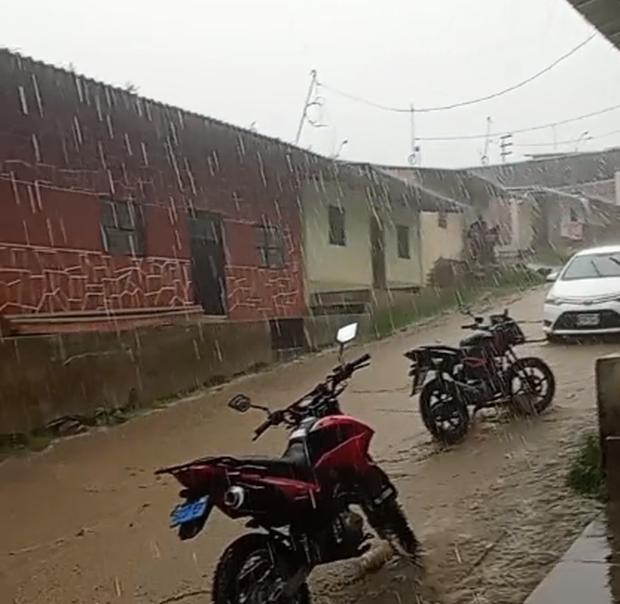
(376, 487)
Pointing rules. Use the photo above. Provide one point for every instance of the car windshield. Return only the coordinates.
(593, 266)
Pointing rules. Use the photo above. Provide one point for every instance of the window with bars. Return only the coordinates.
(337, 232)
(402, 238)
(121, 228)
(270, 246)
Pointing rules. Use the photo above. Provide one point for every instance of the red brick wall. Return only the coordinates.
(51, 259)
(66, 140)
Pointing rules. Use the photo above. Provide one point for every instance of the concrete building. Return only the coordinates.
(365, 232)
(361, 236)
(595, 174)
(574, 197)
(470, 196)
(118, 208)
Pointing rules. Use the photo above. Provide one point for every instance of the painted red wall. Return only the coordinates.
(65, 141)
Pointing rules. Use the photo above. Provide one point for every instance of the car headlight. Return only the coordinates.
(553, 301)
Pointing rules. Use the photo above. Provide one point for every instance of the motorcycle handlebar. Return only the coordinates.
(338, 376)
(359, 362)
(262, 428)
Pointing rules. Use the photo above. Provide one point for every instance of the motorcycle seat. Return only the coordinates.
(293, 464)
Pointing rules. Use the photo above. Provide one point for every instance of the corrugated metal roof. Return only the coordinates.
(458, 186)
(604, 15)
(559, 171)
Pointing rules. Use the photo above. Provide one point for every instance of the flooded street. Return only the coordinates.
(86, 520)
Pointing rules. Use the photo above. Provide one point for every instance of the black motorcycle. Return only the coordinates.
(483, 371)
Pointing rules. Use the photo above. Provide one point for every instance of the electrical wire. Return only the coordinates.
(461, 103)
(520, 130)
(569, 141)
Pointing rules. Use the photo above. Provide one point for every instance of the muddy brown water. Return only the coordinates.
(86, 520)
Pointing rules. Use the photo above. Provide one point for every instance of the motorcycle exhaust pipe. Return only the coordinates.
(234, 497)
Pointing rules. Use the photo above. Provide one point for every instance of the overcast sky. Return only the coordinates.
(247, 61)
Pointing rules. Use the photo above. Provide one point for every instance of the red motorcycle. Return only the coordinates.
(301, 500)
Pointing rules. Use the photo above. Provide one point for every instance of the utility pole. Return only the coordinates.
(484, 158)
(505, 145)
(415, 157)
(308, 103)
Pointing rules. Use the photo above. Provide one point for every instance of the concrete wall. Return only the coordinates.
(332, 267)
(438, 242)
(526, 213)
(402, 272)
(45, 377)
(321, 329)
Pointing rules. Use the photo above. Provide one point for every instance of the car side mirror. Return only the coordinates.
(552, 276)
(240, 403)
(346, 334)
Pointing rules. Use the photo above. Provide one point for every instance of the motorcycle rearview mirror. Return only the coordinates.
(240, 403)
(346, 334)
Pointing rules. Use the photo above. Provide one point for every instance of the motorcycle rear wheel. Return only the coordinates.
(444, 415)
(251, 570)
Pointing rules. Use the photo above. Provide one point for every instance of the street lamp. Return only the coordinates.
(336, 155)
(584, 136)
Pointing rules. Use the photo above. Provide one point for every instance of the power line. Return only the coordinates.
(521, 130)
(475, 101)
(568, 141)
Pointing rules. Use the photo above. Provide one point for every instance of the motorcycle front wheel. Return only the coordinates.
(390, 523)
(253, 570)
(532, 385)
(445, 416)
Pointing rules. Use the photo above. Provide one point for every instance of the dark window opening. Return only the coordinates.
(337, 234)
(402, 236)
(270, 246)
(121, 228)
(442, 219)
(573, 215)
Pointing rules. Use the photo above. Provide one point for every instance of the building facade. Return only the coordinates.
(362, 243)
(112, 205)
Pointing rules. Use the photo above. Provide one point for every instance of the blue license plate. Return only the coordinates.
(192, 510)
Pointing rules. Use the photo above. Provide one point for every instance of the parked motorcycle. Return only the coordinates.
(483, 371)
(300, 501)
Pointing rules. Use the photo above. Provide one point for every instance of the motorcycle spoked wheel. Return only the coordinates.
(252, 570)
(444, 415)
(532, 386)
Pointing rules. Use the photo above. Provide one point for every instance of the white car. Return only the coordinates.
(585, 296)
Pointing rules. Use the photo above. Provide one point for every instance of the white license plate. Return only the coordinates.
(588, 319)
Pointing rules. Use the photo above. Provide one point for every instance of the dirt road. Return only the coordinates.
(86, 520)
